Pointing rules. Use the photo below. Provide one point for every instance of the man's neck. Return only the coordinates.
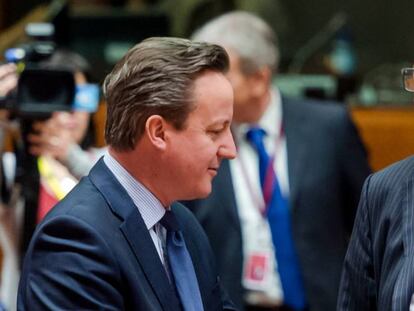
(136, 164)
(255, 112)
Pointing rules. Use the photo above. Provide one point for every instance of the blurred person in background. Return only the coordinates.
(280, 215)
(21, 208)
(9, 214)
(69, 136)
(49, 180)
(78, 121)
(56, 139)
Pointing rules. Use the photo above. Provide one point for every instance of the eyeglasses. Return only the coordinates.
(408, 79)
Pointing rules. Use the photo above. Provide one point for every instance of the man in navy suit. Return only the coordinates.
(320, 165)
(378, 272)
(106, 245)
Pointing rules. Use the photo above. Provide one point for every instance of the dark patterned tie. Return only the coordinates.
(278, 216)
(181, 265)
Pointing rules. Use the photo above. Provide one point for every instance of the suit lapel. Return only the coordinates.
(295, 127)
(148, 258)
(136, 233)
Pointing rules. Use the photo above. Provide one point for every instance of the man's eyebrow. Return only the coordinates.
(223, 122)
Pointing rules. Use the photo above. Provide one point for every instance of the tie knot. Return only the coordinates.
(169, 222)
(255, 134)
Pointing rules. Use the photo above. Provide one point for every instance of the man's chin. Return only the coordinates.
(202, 194)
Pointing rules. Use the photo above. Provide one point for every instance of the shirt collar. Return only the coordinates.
(148, 205)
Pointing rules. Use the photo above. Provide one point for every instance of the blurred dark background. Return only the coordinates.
(351, 51)
(379, 32)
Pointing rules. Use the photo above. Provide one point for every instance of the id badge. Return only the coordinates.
(256, 271)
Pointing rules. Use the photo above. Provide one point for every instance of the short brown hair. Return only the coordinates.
(156, 76)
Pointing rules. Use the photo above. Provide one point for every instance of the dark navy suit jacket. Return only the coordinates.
(379, 265)
(327, 166)
(93, 251)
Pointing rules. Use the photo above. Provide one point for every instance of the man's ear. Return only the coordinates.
(155, 127)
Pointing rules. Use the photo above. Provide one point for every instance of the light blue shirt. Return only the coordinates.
(148, 205)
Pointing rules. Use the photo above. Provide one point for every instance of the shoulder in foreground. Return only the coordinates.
(84, 201)
(397, 171)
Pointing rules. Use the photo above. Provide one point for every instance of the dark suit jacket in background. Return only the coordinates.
(93, 251)
(379, 266)
(327, 166)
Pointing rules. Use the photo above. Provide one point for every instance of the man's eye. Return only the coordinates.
(214, 132)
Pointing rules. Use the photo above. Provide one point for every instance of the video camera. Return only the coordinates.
(42, 90)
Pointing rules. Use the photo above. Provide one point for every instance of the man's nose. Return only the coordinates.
(227, 149)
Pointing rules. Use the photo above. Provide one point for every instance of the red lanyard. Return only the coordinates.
(262, 201)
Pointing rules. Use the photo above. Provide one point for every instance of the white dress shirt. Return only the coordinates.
(256, 234)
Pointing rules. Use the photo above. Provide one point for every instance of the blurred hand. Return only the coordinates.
(8, 78)
(8, 82)
(53, 137)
